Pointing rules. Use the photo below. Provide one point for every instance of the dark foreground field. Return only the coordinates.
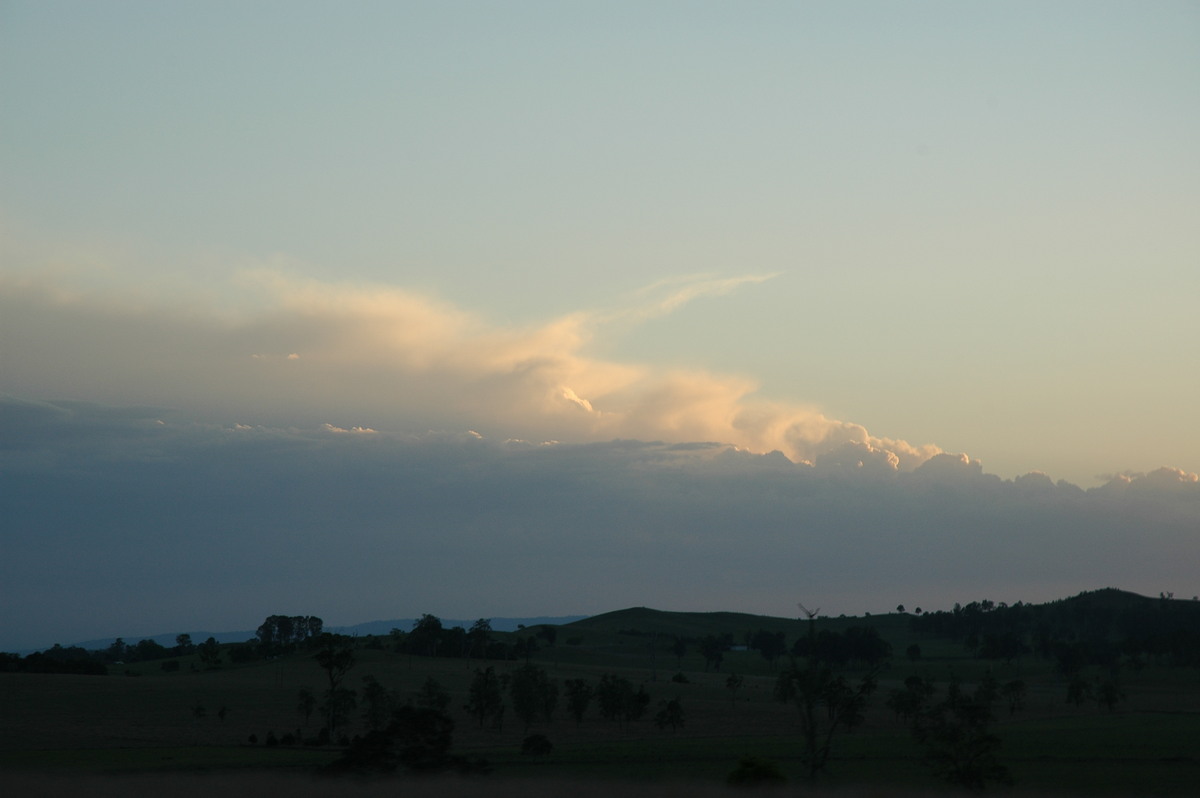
(259, 785)
(200, 731)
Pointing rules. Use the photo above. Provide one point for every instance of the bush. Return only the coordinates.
(753, 771)
(536, 745)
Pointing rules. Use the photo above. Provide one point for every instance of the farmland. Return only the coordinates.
(146, 722)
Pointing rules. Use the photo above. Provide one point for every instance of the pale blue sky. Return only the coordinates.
(982, 216)
(869, 232)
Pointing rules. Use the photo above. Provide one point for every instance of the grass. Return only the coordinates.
(148, 723)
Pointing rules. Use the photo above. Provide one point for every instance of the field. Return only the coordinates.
(140, 727)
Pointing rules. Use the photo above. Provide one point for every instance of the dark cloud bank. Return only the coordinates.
(124, 521)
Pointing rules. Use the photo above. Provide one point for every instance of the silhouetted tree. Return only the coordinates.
(534, 695)
(960, 746)
(670, 713)
(335, 654)
(618, 700)
(713, 649)
(1108, 694)
(306, 702)
(679, 648)
(426, 635)
(379, 703)
(210, 653)
(281, 633)
(827, 700)
(907, 703)
(770, 644)
(418, 739)
(479, 636)
(485, 699)
(433, 696)
(1014, 694)
(733, 683)
(579, 696)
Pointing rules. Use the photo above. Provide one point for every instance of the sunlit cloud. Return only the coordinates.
(388, 358)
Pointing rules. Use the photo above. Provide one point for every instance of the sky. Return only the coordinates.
(366, 310)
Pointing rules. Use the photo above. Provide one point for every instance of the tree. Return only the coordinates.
(433, 696)
(280, 633)
(426, 635)
(534, 695)
(336, 655)
(713, 649)
(479, 636)
(733, 683)
(210, 653)
(484, 697)
(338, 705)
(379, 703)
(670, 713)
(1108, 694)
(907, 703)
(417, 739)
(618, 700)
(770, 644)
(679, 648)
(828, 703)
(147, 650)
(306, 702)
(960, 746)
(1014, 694)
(827, 700)
(579, 695)
(184, 644)
(1079, 689)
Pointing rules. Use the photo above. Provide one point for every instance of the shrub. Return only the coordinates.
(753, 771)
(536, 745)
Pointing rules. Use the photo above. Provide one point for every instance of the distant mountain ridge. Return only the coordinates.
(167, 639)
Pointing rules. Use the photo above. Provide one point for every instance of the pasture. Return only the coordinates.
(141, 725)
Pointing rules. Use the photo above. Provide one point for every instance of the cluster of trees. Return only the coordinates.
(75, 659)
(534, 697)
(71, 659)
(279, 634)
(1101, 628)
(430, 638)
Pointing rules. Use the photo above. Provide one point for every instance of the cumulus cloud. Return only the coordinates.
(350, 355)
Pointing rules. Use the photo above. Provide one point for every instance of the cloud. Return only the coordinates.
(220, 456)
(308, 352)
(225, 524)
